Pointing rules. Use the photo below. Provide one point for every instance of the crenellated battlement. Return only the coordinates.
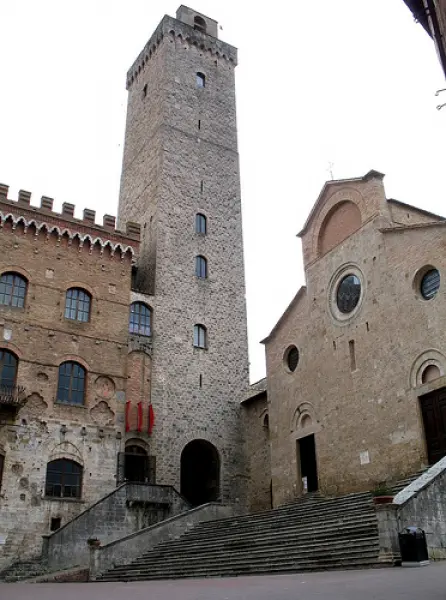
(173, 27)
(64, 224)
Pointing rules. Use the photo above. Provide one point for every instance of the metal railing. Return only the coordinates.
(12, 395)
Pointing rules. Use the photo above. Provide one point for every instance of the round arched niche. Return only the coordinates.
(430, 373)
(427, 367)
(342, 220)
(304, 421)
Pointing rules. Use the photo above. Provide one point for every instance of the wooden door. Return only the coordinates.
(433, 408)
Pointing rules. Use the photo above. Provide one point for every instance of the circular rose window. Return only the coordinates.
(348, 293)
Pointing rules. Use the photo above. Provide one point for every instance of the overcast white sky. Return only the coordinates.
(350, 82)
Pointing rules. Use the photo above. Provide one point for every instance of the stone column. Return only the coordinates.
(389, 547)
(94, 562)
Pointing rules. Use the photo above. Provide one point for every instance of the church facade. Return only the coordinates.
(123, 351)
(356, 366)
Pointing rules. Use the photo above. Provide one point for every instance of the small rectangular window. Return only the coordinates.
(351, 346)
(144, 91)
(55, 523)
(199, 123)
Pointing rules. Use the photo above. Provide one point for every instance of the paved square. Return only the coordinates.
(375, 584)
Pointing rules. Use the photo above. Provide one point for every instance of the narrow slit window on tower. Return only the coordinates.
(200, 336)
(199, 123)
(201, 380)
(144, 91)
(201, 186)
(200, 223)
(351, 347)
(201, 267)
(200, 80)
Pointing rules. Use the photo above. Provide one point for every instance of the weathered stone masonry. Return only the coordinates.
(180, 159)
(55, 252)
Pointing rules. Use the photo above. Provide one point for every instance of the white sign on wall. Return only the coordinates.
(364, 457)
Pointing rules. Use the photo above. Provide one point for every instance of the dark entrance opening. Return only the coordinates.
(200, 472)
(433, 409)
(308, 464)
(138, 467)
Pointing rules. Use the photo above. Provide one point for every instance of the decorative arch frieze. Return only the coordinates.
(431, 357)
(37, 228)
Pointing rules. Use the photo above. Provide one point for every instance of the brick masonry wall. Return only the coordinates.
(366, 417)
(42, 338)
(173, 169)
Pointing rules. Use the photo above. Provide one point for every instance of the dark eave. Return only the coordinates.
(419, 13)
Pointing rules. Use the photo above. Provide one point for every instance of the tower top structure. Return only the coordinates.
(194, 29)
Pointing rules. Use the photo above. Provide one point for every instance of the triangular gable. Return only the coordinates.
(336, 182)
(300, 294)
(415, 209)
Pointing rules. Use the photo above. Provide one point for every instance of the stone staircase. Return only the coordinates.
(23, 569)
(402, 483)
(311, 534)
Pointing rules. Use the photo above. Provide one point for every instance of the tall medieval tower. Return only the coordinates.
(180, 181)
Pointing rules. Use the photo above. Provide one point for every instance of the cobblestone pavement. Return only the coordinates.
(376, 584)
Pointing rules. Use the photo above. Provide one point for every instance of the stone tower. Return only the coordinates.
(180, 181)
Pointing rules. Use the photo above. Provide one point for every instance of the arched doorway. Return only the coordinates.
(200, 472)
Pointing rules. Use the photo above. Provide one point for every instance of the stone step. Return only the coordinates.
(221, 556)
(348, 560)
(312, 534)
(300, 509)
(281, 536)
(21, 569)
(274, 520)
(316, 527)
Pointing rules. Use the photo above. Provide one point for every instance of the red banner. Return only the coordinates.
(127, 415)
(140, 418)
(151, 419)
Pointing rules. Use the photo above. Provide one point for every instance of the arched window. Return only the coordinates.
(201, 80)
(199, 24)
(63, 479)
(200, 336)
(200, 223)
(8, 370)
(201, 267)
(13, 290)
(140, 319)
(77, 305)
(71, 385)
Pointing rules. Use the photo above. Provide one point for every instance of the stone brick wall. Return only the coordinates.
(256, 429)
(365, 412)
(423, 504)
(181, 158)
(128, 548)
(113, 517)
(44, 429)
